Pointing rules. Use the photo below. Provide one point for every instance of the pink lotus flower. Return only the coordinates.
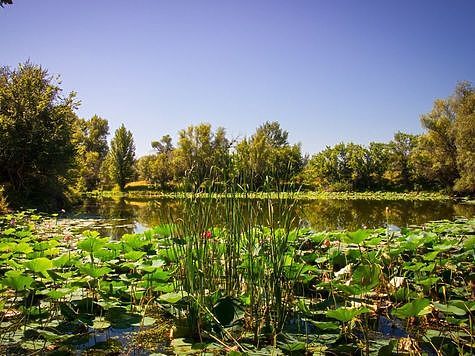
(207, 234)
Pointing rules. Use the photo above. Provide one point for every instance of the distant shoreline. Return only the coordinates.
(416, 196)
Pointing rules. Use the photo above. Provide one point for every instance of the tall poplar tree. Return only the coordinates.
(121, 157)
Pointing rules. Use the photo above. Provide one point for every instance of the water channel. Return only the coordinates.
(115, 217)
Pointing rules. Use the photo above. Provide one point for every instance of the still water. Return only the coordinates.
(115, 217)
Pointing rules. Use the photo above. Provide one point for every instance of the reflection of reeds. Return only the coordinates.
(322, 214)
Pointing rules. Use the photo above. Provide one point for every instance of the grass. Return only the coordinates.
(242, 287)
(151, 193)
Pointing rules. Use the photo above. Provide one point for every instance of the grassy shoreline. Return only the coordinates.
(420, 196)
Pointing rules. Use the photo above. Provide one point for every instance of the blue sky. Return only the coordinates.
(328, 71)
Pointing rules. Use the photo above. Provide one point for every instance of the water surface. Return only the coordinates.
(115, 217)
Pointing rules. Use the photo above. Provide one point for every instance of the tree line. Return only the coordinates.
(47, 152)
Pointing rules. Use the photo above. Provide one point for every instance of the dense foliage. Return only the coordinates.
(267, 155)
(443, 157)
(45, 148)
(204, 158)
(201, 155)
(90, 140)
(36, 141)
(353, 167)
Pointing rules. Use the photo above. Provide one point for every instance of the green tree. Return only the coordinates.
(90, 139)
(378, 162)
(267, 155)
(444, 154)
(201, 155)
(343, 167)
(36, 122)
(158, 168)
(465, 137)
(165, 144)
(121, 157)
(437, 149)
(399, 172)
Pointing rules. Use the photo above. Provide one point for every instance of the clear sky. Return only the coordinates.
(328, 71)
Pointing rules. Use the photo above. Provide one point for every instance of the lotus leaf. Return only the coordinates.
(17, 281)
(100, 324)
(134, 255)
(346, 314)
(173, 297)
(94, 271)
(326, 325)
(366, 276)
(92, 243)
(428, 282)
(22, 247)
(39, 265)
(418, 307)
(356, 237)
(134, 241)
(450, 309)
(146, 321)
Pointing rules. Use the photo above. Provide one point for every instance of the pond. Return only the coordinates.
(166, 289)
(114, 217)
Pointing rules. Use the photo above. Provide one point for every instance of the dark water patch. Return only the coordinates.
(390, 327)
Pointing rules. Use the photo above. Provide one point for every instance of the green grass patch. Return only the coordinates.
(147, 191)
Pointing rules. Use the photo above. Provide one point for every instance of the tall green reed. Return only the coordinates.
(237, 256)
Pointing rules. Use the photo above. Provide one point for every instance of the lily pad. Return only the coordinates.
(173, 297)
(100, 324)
(450, 309)
(346, 314)
(418, 307)
(17, 281)
(40, 265)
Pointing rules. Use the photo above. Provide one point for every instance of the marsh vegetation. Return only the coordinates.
(242, 285)
(248, 249)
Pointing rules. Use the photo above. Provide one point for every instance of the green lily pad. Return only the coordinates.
(23, 247)
(418, 307)
(346, 314)
(93, 271)
(450, 309)
(146, 321)
(326, 325)
(134, 255)
(17, 281)
(133, 241)
(428, 282)
(173, 297)
(100, 324)
(366, 276)
(356, 237)
(39, 265)
(92, 243)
